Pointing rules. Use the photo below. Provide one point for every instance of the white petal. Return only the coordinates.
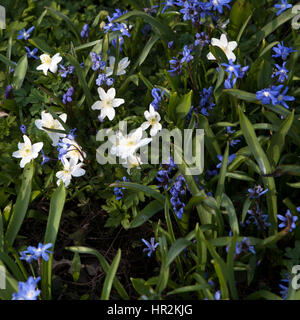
(96, 105)
(232, 56)
(232, 45)
(145, 125)
(24, 161)
(26, 140)
(210, 56)
(111, 93)
(102, 93)
(215, 42)
(39, 124)
(16, 154)
(36, 148)
(224, 41)
(53, 67)
(78, 172)
(63, 117)
(117, 102)
(110, 113)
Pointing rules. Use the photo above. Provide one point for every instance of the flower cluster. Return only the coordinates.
(27, 290)
(33, 253)
(67, 97)
(178, 191)
(274, 96)
(234, 72)
(118, 190)
(85, 31)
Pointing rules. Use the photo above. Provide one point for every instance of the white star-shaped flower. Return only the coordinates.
(48, 121)
(153, 119)
(226, 46)
(126, 146)
(122, 65)
(27, 151)
(71, 169)
(107, 103)
(73, 151)
(49, 63)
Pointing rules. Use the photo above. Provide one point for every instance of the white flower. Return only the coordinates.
(123, 64)
(226, 46)
(48, 121)
(133, 161)
(49, 63)
(70, 169)
(27, 151)
(73, 150)
(153, 119)
(126, 146)
(107, 103)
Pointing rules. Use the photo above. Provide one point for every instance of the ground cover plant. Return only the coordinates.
(75, 227)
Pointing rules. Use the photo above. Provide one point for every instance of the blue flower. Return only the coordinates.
(258, 219)
(232, 143)
(40, 252)
(122, 28)
(65, 71)
(24, 255)
(121, 41)
(27, 290)
(281, 73)
(23, 34)
(230, 159)
(175, 66)
(281, 98)
(210, 173)
(118, 190)
(167, 5)
(257, 192)
(163, 178)
(85, 31)
(218, 5)
(7, 91)
(178, 191)
(287, 220)
(282, 51)
(67, 97)
(232, 68)
(284, 5)
(31, 53)
(268, 96)
(157, 94)
(201, 39)
(170, 44)
(284, 289)
(187, 57)
(23, 128)
(244, 246)
(44, 158)
(98, 63)
(151, 246)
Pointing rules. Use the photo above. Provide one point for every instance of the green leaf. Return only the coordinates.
(57, 203)
(42, 45)
(222, 176)
(67, 20)
(20, 72)
(7, 61)
(184, 105)
(21, 205)
(138, 187)
(11, 285)
(177, 247)
(278, 140)
(263, 294)
(264, 165)
(163, 30)
(233, 221)
(110, 275)
(270, 27)
(243, 95)
(104, 265)
(81, 78)
(239, 13)
(148, 212)
(145, 52)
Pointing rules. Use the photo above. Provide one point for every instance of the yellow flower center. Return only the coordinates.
(46, 59)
